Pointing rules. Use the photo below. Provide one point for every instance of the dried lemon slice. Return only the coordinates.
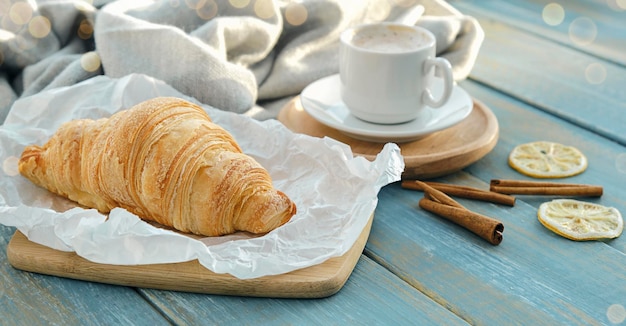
(544, 159)
(579, 220)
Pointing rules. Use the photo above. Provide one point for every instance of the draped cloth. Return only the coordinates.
(244, 56)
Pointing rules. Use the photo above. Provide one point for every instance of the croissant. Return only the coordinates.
(165, 161)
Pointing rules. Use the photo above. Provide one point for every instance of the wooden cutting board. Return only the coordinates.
(313, 282)
(438, 154)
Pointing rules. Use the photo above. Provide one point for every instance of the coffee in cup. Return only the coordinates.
(387, 72)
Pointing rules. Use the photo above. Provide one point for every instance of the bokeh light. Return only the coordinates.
(582, 31)
(5, 6)
(616, 313)
(296, 14)
(620, 163)
(174, 3)
(208, 10)
(239, 3)
(7, 24)
(553, 14)
(617, 5)
(90, 61)
(21, 13)
(39, 27)
(9, 166)
(195, 4)
(595, 73)
(85, 29)
(264, 9)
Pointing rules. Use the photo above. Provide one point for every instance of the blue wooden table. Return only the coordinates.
(545, 78)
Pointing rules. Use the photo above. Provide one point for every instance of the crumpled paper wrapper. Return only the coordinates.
(335, 193)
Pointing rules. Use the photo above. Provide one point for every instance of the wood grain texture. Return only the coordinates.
(372, 296)
(522, 123)
(419, 269)
(595, 21)
(534, 276)
(551, 76)
(438, 154)
(313, 282)
(33, 299)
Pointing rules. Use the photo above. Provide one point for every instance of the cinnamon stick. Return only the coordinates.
(523, 187)
(437, 195)
(463, 192)
(485, 227)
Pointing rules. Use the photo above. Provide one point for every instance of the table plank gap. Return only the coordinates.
(35, 299)
(371, 294)
(583, 23)
(510, 66)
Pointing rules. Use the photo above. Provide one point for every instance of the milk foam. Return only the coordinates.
(390, 40)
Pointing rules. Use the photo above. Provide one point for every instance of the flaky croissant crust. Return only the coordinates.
(165, 161)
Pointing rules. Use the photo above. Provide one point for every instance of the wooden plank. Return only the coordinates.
(521, 123)
(312, 282)
(595, 27)
(371, 296)
(552, 77)
(534, 276)
(34, 299)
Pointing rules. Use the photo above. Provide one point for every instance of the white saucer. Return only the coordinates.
(322, 100)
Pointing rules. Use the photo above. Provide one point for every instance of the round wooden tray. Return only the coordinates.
(435, 155)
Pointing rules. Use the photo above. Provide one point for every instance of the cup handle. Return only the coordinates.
(446, 70)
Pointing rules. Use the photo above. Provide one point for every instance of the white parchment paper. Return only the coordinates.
(335, 193)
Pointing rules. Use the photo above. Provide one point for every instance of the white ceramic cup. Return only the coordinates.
(387, 72)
